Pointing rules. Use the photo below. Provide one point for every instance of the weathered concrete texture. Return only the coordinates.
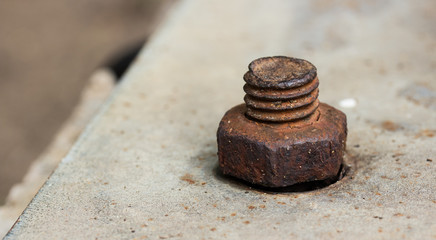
(146, 166)
(98, 89)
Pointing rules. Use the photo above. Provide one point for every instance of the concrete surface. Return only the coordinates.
(146, 166)
(95, 93)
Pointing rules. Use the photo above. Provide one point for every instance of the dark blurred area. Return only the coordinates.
(48, 50)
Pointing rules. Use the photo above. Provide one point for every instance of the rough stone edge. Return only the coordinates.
(94, 94)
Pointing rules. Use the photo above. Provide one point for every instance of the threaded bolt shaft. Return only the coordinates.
(281, 89)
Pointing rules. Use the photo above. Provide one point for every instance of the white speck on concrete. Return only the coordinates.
(348, 103)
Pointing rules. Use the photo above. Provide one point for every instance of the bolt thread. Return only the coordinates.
(281, 89)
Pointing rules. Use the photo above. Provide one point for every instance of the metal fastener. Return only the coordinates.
(282, 135)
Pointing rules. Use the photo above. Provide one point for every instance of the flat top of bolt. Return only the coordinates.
(280, 72)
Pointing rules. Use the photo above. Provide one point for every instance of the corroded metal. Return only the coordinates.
(282, 135)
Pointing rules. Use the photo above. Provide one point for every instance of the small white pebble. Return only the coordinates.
(348, 103)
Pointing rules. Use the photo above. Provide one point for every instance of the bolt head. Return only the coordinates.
(281, 154)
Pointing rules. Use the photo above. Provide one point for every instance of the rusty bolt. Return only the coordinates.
(282, 135)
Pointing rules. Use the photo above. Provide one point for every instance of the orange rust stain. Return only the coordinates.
(397, 154)
(426, 133)
(251, 207)
(390, 126)
(398, 215)
(262, 206)
(247, 222)
(213, 229)
(233, 214)
(187, 178)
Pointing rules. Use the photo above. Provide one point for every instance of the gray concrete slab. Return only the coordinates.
(146, 166)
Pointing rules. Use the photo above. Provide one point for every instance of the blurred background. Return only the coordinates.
(49, 49)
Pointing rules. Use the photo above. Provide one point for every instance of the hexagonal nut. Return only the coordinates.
(281, 154)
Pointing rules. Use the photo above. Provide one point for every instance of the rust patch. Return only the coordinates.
(390, 126)
(188, 178)
(398, 154)
(426, 133)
